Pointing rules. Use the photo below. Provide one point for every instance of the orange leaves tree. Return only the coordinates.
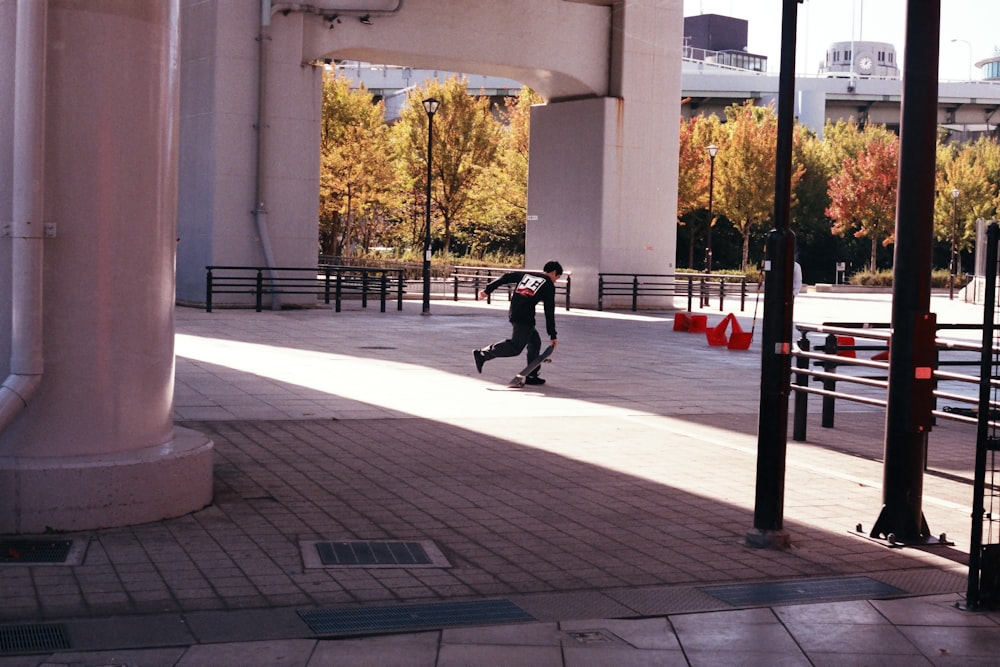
(863, 193)
(466, 139)
(356, 182)
(745, 167)
(693, 165)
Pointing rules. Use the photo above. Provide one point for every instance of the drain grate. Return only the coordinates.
(372, 553)
(32, 638)
(368, 620)
(35, 551)
(807, 589)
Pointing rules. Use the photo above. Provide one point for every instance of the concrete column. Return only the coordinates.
(602, 188)
(220, 65)
(96, 446)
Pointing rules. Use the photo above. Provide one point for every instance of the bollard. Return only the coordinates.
(801, 397)
(829, 348)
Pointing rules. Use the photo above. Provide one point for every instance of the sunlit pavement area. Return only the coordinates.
(598, 519)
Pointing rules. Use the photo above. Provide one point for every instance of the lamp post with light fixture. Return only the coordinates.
(430, 106)
(712, 150)
(954, 242)
(968, 45)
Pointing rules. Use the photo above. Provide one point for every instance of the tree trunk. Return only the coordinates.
(746, 249)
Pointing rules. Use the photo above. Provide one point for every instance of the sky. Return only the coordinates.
(974, 23)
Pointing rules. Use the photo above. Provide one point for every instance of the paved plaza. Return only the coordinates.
(599, 519)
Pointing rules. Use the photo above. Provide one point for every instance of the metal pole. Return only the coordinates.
(911, 352)
(954, 243)
(973, 594)
(431, 107)
(776, 334)
(712, 150)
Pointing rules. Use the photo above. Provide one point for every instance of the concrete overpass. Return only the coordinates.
(963, 106)
(142, 141)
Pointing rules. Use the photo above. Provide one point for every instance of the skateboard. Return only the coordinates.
(519, 379)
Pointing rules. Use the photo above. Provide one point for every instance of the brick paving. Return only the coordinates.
(621, 488)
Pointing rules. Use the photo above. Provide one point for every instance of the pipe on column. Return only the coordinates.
(27, 233)
(260, 208)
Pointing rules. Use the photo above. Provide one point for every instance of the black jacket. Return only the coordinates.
(531, 288)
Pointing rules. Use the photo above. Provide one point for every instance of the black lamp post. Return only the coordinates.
(954, 242)
(712, 150)
(430, 106)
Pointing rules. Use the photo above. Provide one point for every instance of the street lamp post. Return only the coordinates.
(430, 106)
(712, 150)
(954, 242)
(968, 45)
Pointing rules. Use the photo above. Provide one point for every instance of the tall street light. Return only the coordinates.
(968, 45)
(430, 106)
(954, 242)
(712, 150)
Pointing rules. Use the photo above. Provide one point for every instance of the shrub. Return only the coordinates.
(883, 278)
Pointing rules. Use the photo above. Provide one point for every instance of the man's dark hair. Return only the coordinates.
(553, 266)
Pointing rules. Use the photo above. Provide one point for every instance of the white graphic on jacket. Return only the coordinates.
(529, 285)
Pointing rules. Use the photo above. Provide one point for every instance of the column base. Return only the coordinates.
(119, 489)
(768, 539)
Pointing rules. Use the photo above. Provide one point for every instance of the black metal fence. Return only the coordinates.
(475, 278)
(327, 283)
(835, 363)
(701, 286)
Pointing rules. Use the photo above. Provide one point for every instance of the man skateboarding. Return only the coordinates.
(531, 288)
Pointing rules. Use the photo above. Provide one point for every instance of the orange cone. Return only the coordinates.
(846, 341)
(717, 335)
(739, 339)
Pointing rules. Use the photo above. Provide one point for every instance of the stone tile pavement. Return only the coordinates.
(609, 507)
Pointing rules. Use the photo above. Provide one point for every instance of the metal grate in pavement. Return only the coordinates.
(372, 553)
(32, 638)
(22, 551)
(407, 617)
(806, 589)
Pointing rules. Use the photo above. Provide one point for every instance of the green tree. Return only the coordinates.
(466, 137)
(963, 169)
(818, 249)
(499, 201)
(356, 178)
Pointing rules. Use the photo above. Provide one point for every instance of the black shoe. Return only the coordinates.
(480, 360)
(534, 379)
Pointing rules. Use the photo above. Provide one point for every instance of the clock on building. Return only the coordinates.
(865, 64)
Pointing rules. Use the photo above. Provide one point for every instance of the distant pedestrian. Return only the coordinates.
(532, 287)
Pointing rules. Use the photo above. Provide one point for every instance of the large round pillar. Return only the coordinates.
(96, 445)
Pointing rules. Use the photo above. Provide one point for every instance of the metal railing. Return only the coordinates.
(325, 282)
(839, 349)
(478, 277)
(703, 286)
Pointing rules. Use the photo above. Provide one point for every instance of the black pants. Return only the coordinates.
(521, 336)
